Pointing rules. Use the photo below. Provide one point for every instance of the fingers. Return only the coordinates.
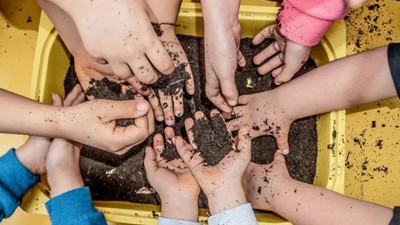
(237, 111)
(244, 145)
(113, 110)
(57, 100)
(268, 52)
(133, 134)
(143, 70)
(120, 69)
(190, 87)
(158, 146)
(167, 107)
(178, 103)
(264, 34)
(155, 104)
(279, 157)
(295, 56)
(75, 93)
(235, 124)
(169, 133)
(283, 143)
(138, 86)
(213, 93)
(159, 57)
(185, 152)
(150, 163)
(188, 126)
(221, 89)
(241, 59)
(272, 63)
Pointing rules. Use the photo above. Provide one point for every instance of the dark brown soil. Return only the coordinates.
(122, 177)
(169, 152)
(212, 139)
(171, 84)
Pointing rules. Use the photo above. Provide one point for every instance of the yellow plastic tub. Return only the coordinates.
(52, 60)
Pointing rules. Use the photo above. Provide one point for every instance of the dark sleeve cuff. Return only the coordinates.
(74, 207)
(394, 64)
(396, 216)
(15, 181)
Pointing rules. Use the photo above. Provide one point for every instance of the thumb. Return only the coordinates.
(183, 150)
(244, 142)
(150, 164)
(57, 100)
(283, 143)
(229, 89)
(124, 109)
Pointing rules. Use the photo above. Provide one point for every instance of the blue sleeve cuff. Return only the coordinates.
(15, 181)
(74, 207)
(394, 64)
(237, 216)
(166, 221)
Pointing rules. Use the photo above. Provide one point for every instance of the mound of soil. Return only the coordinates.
(123, 178)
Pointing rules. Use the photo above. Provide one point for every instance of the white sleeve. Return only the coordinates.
(166, 221)
(237, 216)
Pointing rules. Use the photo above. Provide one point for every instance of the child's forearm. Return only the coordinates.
(219, 13)
(338, 85)
(21, 115)
(303, 203)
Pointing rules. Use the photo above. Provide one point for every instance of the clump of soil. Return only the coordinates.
(123, 178)
(106, 89)
(212, 139)
(171, 84)
(169, 152)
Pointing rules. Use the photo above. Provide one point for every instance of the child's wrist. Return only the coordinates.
(225, 198)
(62, 181)
(180, 207)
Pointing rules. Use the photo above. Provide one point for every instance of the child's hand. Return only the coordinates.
(222, 32)
(172, 180)
(125, 38)
(263, 113)
(261, 182)
(221, 183)
(95, 121)
(63, 172)
(34, 152)
(290, 59)
(169, 105)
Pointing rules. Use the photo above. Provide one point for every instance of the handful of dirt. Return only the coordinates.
(212, 139)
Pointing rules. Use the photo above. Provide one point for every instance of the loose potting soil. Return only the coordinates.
(123, 178)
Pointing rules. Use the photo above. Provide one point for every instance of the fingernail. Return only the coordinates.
(142, 106)
(159, 118)
(232, 102)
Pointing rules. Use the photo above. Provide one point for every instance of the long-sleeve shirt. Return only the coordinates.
(306, 21)
(240, 215)
(73, 207)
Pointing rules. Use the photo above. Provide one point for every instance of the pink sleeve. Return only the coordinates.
(306, 21)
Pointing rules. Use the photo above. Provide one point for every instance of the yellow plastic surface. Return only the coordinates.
(372, 131)
(52, 60)
(17, 49)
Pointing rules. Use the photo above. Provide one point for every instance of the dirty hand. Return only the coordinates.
(96, 122)
(262, 182)
(265, 116)
(33, 153)
(63, 172)
(172, 180)
(287, 56)
(222, 32)
(168, 105)
(62, 162)
(221, 183)
(125, 38)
